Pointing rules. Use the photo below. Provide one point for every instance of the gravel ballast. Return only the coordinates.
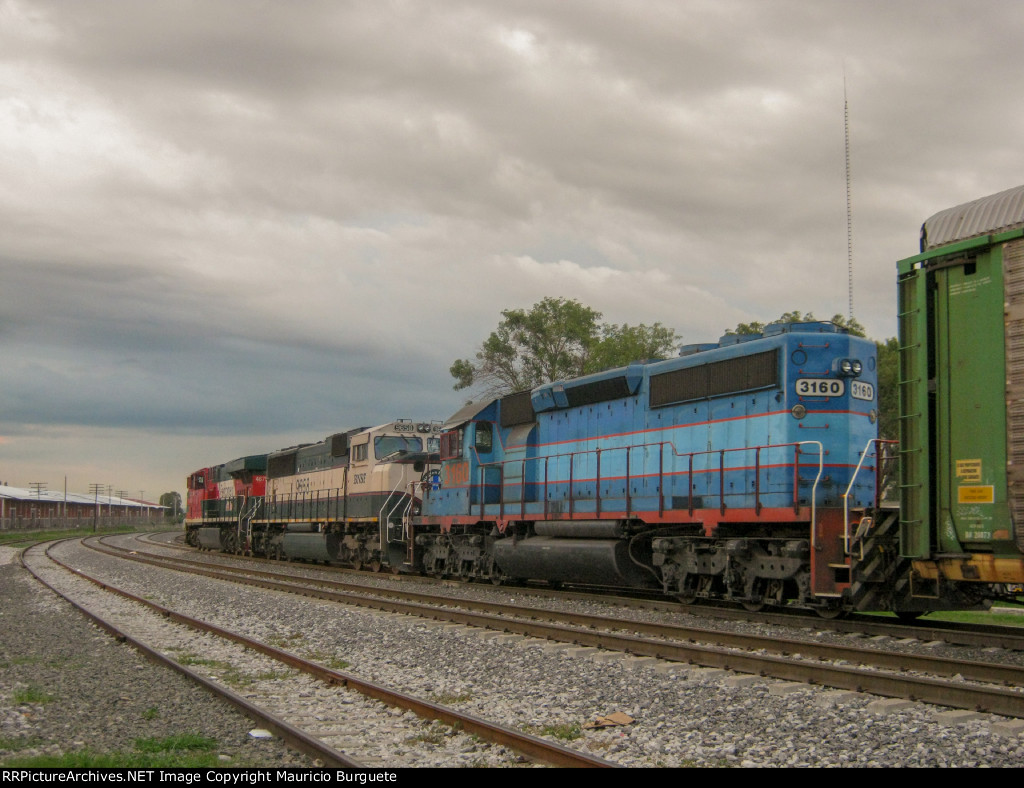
(86, 691)
(681, 717)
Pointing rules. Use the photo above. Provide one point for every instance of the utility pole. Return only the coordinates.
(38, 488)
(95, 490)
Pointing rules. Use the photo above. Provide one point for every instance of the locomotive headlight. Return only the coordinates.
(845, 367)
(857, 367)
(799, 411)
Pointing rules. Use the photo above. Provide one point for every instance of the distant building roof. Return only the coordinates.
(52, 496)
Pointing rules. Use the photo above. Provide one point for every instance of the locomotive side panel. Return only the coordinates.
(756, 438)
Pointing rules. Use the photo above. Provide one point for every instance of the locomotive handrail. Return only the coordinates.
(853, 479)
(382, 520)
(500, 466)
(814, 487)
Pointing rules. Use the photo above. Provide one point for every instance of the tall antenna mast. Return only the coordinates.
(849, 211)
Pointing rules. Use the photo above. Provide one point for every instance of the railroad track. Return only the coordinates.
(959, 634)
(977, 685)
(282, 672)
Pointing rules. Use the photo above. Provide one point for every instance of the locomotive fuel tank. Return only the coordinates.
(590, 561)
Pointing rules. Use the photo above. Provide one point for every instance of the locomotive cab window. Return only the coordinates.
(484, 439)
(360, 453)
(451, 444)
(386, 445)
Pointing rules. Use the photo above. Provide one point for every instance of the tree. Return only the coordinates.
(555, 339)
(172, 502)
(888, 388)
(850, 324)
(621, 345)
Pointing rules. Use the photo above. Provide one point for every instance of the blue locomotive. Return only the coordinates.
(728, 472)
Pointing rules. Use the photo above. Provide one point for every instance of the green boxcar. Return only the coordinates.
(961, 328)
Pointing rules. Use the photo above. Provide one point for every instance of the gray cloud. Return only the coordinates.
(263, 225)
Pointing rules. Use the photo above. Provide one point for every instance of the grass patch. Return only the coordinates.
(448, 698)
(436, 733)
(190, 659)
(236, 678)
(151, 713)
(227, 672)
(181, 751)
(14, 661)
(32, 694)
(13, 744)
(977, 617)
(293, 640)
(566, 732)
(966, 617)
(86, 759)
(182, 742)
(9, 538)
(330, 661)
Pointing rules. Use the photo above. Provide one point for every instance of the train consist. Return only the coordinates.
(749, 470)
(344, 499)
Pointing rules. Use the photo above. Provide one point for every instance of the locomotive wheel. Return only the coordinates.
(753, 607)
(357, 565)
(375, 565)
(687, 593)
(829, 611)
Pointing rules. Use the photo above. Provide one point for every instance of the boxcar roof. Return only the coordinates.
(992, 214)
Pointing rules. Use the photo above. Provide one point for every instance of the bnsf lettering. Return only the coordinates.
(359, 478)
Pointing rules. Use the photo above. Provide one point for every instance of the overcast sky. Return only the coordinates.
(228, 227)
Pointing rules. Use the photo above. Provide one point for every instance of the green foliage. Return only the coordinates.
(566, 731)
(621, 345)
(13, 744)
(25, 538)
(888, 388)
(174, 511)
(182, 742)
(85, 759)
(555, 339)
(32, 694)
(850, 324)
